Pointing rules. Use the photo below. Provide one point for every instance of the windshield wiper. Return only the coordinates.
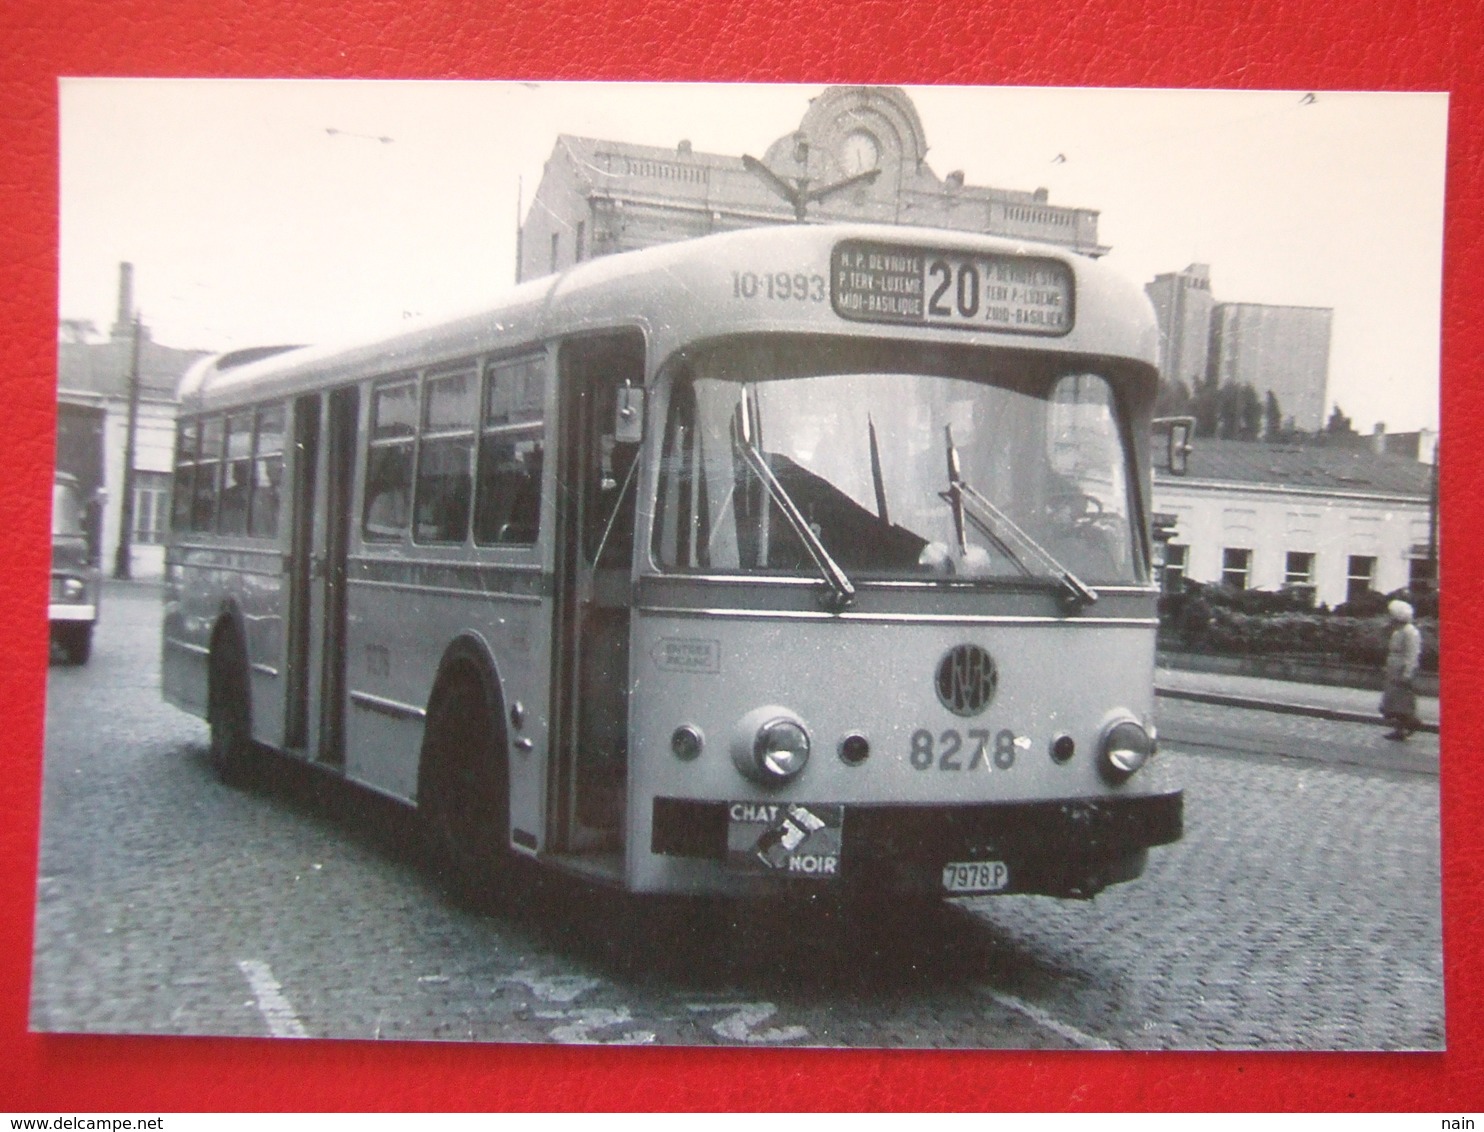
(842, 592)
(1001, 530)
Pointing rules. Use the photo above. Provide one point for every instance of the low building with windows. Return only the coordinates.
(93, 385)
(1342, 520)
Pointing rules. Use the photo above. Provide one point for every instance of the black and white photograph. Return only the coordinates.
(745, 565)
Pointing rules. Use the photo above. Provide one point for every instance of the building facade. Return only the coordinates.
(1340, 520)
(1182, 304)
(93, 379)
(859, 153)
(1275, 349)
(1281, 350)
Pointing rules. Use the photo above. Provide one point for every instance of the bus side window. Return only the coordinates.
(267, 473)
(205, 498)
(507, 508)
(236, 475)
(445, 457)
(389, 461)
(187, 437)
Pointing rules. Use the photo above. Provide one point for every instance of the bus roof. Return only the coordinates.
(690, 291)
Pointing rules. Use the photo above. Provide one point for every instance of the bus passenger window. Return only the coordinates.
(389, 461)
(507, 507)
(204, 501)
(236, 475)
(267, 473)
(187, 437)
(444, 479)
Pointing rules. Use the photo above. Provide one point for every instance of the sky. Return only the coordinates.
(269, 211)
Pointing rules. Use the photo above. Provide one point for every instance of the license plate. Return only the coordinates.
(799, 841)
(975, 876)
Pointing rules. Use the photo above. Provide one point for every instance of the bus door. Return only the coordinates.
(324, 473)
(305, 465)
(600, 422)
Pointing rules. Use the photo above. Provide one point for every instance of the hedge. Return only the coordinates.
(1222, 621)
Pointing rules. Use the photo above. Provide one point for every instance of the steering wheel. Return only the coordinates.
(1081, 509)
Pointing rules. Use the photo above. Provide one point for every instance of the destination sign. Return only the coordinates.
(872, 282)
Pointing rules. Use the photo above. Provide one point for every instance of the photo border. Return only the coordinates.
(1302, 45)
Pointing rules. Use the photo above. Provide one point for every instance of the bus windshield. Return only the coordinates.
(914, 462)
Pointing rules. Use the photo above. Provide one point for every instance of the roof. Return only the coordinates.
(1310, 467)
(683, 292)
(103, 367)
(594, 167)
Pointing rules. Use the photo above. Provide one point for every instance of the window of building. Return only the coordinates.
(445, 457)
(389, 460)
(267, 473)
(581, 240)
(1177, 557)
(151, 507)
(1361, 576)
(1421, 574)
(1298, 570)
(1236, 567)
(507, 507)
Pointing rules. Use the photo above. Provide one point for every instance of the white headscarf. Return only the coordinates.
(1400, 611)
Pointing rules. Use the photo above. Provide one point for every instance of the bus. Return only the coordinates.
(809, 559)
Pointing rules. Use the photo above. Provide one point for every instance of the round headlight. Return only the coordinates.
(1126, 747)
(780, 750)
(73, 589)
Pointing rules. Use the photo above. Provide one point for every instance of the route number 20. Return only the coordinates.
(949, 751)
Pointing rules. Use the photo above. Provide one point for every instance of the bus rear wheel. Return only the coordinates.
(227, 712)
(464, 791)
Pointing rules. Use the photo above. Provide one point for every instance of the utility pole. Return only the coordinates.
(1432, 524)
(123, 559)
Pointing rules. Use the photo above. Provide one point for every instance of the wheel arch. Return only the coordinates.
(230, 624)
(468, 651)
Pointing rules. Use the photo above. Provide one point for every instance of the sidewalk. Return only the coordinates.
(1353, 705)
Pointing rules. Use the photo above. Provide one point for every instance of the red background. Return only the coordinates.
(1249, 44)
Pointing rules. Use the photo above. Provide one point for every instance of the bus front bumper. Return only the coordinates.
(1064, 847)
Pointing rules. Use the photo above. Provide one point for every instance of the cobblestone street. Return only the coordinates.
(1301, 910)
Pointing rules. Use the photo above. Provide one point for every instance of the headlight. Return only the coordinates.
(1126, 747)
(771, 746)
(73, 589)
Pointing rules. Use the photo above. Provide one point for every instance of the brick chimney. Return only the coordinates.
(123, 323)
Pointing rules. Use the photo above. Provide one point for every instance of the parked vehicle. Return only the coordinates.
(75, 578)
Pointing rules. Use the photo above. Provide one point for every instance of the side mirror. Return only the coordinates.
(628, 417)
(1179, 432)
(1179, 448)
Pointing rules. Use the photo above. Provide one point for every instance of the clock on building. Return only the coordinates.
(860, 152)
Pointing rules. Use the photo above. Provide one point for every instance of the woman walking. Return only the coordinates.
(1398, 698)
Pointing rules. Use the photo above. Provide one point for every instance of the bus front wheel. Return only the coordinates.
(463, 791)
(227, 711)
